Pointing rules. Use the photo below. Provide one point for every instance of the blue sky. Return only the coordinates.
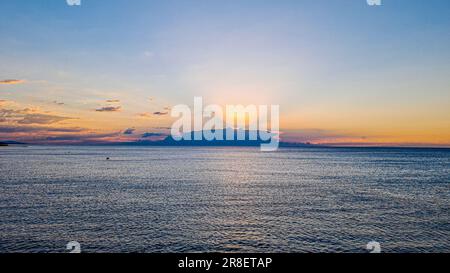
(335, 66)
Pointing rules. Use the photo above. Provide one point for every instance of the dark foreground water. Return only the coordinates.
(223, 199)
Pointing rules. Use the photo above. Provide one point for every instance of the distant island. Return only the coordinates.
(11, 142)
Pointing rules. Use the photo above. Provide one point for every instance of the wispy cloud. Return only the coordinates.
(41, 119)
(38, 129)
(319, 136)
(109, 109)
(145, 115)
(113, 101)
(151, 115)
(11, 81)
(29, 116)
(55, 135)
(80, 138)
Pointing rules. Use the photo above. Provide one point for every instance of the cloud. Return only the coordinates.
(160, 113)
(58, 103)
(47, 134)
(12, 115)
(145, 115)
(147, 135)
(318, 136)
(36, 129)
(113, 101)
(11, 81)
(109, 109)
(150, 115)
(88, 137)
(129, 131)
(29, 116)
(41, 119)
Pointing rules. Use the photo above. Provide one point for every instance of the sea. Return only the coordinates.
(228, 200)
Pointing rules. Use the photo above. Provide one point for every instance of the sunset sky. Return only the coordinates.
(342, 72)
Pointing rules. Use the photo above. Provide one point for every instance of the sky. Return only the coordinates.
(343, 72)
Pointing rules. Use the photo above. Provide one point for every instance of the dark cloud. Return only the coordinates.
(149, 115)
(58, 103)
(160, 113)
(11, 81)
(147, 135)
(129, 131)
(109, 109)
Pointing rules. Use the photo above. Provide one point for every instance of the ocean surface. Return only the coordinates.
(168, 199)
